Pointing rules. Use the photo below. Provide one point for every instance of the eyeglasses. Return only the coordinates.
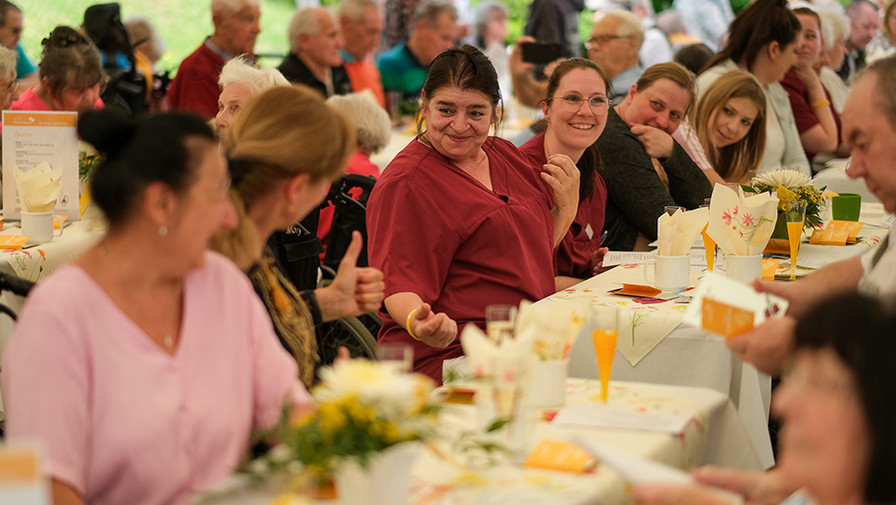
(575, 101)
(603, 39)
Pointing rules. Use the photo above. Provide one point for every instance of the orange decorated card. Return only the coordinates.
(638, 290)
(13, 241)
(561, 456)
(726, 320)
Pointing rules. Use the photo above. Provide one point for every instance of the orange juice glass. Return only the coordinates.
(796, 215)
(604, 334)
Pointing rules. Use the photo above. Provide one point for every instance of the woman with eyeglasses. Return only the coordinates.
(71, 75)
(460, 220)
(575, 110)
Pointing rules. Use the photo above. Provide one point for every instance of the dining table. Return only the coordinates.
(655, 346)
(679, 426)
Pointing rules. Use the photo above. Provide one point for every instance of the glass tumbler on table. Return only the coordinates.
(396, 355)
(796, 215)
(709, 245)
(604, 333)
(499, 322)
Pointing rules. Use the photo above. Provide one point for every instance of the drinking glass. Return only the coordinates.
(796, 215)
(671, 209)
(604, 333)
(395, 355)
(499, 322)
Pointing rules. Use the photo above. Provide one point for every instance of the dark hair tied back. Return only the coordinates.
(159, 148)
(62, 37)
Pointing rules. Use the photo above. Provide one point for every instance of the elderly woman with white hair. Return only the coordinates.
(240, 80)
(372, 131)
(8, 84)
(835, 30)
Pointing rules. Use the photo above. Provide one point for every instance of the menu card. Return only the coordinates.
(34, 137)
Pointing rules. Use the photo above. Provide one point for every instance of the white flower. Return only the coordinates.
(395, 396)
(790, 179)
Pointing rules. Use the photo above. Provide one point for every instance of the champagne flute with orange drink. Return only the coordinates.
(796, 215)
(604, 333)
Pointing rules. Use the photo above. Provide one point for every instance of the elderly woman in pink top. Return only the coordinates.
(71, 75)
(144, 366)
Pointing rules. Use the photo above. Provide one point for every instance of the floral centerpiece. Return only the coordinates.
(788, 185)
(363, 409)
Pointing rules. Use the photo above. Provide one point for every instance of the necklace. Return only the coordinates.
(169, 341)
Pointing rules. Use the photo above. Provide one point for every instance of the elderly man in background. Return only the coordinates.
(8, 83)
(644, 168)
(362, 25)
(403, 68)
(11, 21)
(864, 20)
(314, 59)
(614, 45)
(195, 87)
(869, 127)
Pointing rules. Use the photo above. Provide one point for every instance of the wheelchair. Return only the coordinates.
(298, 251)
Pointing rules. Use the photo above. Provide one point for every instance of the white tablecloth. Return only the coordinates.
(713, 435)
(691, 357)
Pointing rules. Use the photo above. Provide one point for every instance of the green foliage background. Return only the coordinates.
(183, 24)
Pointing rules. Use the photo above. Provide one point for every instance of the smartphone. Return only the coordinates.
(540, 53)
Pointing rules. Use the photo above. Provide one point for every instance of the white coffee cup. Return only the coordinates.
(39, 225)
(744, 269)
(547, 386)
(669, 273)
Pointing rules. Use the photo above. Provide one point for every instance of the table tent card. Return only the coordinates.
(40, 149)
(22, 480)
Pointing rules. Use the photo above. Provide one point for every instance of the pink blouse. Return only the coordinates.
(122, 421)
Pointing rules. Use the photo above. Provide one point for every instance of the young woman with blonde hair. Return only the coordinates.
(729, 122)
(286, 145)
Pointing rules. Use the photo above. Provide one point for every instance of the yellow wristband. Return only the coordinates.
(820, 103)
(407, 325)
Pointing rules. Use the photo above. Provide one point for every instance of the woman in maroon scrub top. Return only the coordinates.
(575, 109)
(460, 220)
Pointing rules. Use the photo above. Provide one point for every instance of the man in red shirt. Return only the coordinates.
(195, 87)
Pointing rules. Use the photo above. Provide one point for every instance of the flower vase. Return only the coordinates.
(384, 481)
(780, 226)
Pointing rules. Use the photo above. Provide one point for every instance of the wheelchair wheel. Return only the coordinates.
(349, 332)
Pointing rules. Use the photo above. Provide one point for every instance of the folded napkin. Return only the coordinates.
(39, 188)
(677, 233)
(509, 361)
(554, 327)
(741, 225)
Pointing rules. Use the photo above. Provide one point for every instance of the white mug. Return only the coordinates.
(39, 225)
(547, 386)
(744, 269)
(671, 273)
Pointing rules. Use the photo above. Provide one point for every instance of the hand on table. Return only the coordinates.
(435, 330)
(354, 291)
(656, 142)
(767, 346)
(597, 260)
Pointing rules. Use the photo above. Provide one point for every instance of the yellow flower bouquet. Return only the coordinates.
(788, 185)
(362, 409)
